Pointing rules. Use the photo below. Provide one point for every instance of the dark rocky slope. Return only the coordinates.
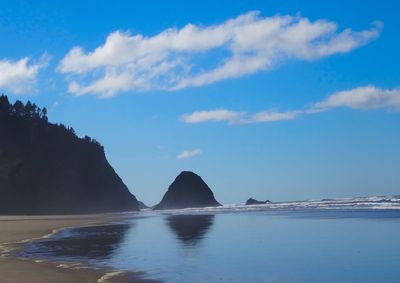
(46, 169)
(188, 190)
(252, 201)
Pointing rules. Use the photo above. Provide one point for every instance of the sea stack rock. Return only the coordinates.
(252, 201)
(188, 190)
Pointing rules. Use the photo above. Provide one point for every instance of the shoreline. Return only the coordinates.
(15, 230)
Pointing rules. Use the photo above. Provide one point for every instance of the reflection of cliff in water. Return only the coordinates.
(96, 242)
(190, 228)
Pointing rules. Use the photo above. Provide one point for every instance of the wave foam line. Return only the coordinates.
(106, 277)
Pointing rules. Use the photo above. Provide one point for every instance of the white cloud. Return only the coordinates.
(189, 153)
(366, 97)
(54, 106)
(218, 115)
(272, 116)
(20, 76)
(170, 60)
(235, 117)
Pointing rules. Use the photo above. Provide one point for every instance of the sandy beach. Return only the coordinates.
(14, 229)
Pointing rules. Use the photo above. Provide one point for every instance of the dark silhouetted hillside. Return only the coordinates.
(46, 169)
(188, 190)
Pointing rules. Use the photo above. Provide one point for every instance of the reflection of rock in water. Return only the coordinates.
(87, 242)
(190, 228)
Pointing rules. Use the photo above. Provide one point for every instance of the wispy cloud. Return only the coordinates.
(366, 97)
(235, 117)
(167, 60)
(54, 106)
(189, 153)
(218, 115)
(19, 76)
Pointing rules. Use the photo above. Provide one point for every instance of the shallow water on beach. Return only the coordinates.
(233, 245)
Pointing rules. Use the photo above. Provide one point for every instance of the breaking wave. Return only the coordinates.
(358, 203)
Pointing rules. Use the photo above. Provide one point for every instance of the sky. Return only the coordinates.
(279, 100)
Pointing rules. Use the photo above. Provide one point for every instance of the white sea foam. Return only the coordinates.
(39, 260)
(106, 277)
(375, 202)
(5, 249)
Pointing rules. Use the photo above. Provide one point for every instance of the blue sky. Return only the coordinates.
(277, 100)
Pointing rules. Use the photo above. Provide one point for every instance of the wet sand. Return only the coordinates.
(14, 229)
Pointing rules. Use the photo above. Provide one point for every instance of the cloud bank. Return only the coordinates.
(179, 58)
(189, 153)
(20, 76)
(366, 97)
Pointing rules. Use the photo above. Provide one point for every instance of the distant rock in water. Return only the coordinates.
(46, 169)
(142, 205)
(188, 190)
(252, 201)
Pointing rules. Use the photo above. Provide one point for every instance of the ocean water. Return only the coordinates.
(329, 241)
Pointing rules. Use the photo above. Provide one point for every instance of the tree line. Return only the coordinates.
(31, 111)
(18, 109)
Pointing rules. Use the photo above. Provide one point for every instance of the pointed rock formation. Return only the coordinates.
(252, 201)
(188, 190)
